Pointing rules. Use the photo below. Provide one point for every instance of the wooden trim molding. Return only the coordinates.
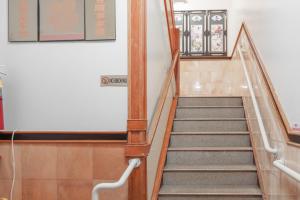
(171, 25)
(189, 58)
(64, 136)
(137, 125)
(163, 154)
(290, 133)
(234, 50)
(141, 150)
(176, 59)
(66, 132)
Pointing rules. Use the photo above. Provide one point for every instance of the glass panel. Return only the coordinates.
(197, 22)
(179, 22)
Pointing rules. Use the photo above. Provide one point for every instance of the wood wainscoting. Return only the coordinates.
(62, 171)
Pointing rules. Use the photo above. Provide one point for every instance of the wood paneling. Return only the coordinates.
(62, 171)
(74, 153)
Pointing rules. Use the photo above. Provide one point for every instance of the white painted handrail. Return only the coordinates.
(277, 163)
(133, 163)
(280, 165)
(257, 111)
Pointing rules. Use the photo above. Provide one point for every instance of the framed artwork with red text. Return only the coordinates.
(23, 20)
(100, 19)
(62, 20)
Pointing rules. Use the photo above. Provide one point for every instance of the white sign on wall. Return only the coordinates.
(114, 81)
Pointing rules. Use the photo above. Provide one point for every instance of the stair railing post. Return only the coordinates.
(137, 124)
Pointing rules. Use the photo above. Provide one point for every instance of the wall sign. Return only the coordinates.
(61, 20)
(114, 81)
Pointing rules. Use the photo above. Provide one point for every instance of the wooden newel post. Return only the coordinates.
(137, 146)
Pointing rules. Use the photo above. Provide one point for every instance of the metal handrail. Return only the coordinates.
(277, 163)
(133, 163)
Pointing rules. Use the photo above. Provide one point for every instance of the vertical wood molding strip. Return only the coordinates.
(137, 97)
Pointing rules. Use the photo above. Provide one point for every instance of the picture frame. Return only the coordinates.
(61, 20)
(100, 16)
(23, 20)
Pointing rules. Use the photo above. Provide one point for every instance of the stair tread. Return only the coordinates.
(210, 119)
(179, 167)
(212, 133)
(213, 97)
(210, 190)
(209, 107)
(210, 149)
(198, 158)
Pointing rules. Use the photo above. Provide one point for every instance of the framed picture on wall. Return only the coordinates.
(23, 20)
(61, 20)
(100, 19)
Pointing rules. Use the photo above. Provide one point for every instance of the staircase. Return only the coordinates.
(210, 155)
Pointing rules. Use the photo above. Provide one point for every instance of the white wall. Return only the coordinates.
(275, 27)
(211, 5)
(202, 4)
(55, 86)
(159, 53)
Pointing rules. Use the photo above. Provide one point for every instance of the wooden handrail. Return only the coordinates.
(164, 150)
(163, 96)
(288, 130)
(174, 39)
(171, 26)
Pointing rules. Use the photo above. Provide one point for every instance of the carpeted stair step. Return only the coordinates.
(210, 175)
(203, 192)
(210, 155)
(210, 139)
(210, 112)
(210, 125)
(210, 101)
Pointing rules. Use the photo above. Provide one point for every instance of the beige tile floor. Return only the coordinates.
(212, 78)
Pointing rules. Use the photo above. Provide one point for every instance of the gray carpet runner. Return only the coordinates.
(210, 155)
